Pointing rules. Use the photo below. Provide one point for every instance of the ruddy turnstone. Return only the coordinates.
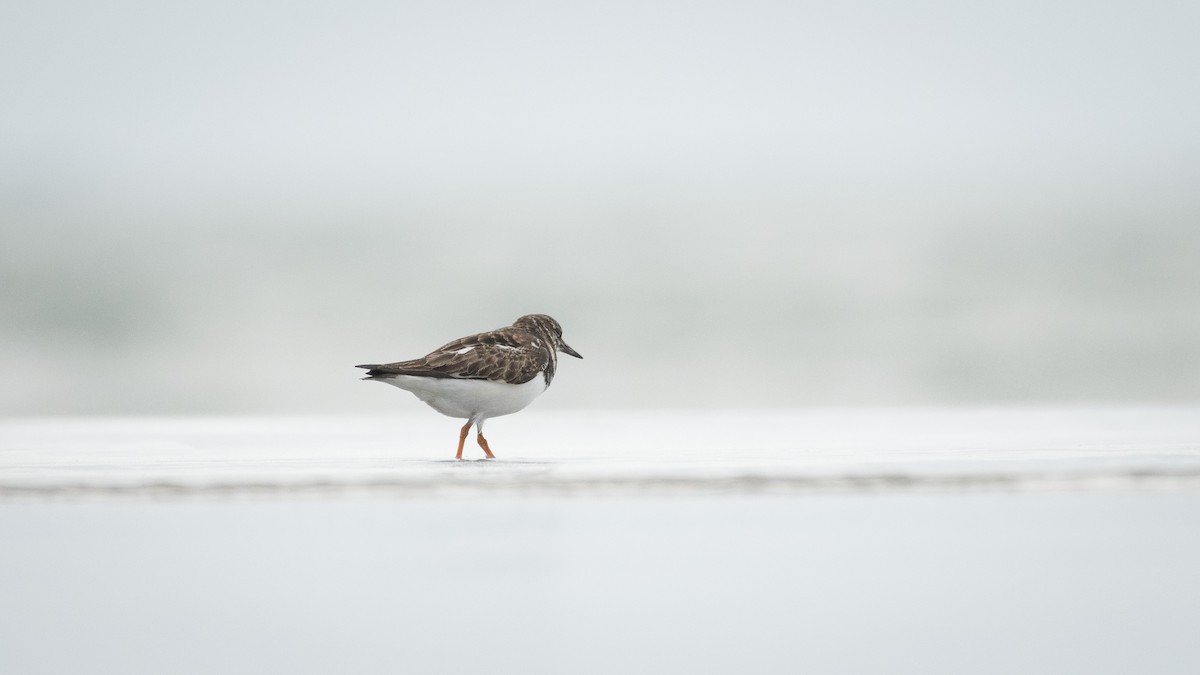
(482, 376)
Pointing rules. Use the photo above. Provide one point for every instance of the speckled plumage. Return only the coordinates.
(513, 354)
(502, 364)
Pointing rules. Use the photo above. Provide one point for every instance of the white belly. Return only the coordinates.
(471, 399)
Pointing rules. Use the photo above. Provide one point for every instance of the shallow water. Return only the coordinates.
(726, 452)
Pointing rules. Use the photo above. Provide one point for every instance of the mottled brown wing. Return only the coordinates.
(506, 355)
(514, 365)
(508, 337)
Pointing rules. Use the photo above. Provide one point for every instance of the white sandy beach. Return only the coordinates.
(576, 453)
(921, 541)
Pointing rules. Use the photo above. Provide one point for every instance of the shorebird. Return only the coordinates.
(482, 376)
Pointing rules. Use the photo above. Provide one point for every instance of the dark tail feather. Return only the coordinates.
(373, 371)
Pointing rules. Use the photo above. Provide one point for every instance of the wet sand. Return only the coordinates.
(887, 541)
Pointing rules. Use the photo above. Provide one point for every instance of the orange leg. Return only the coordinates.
(483, 444)
(462, 437)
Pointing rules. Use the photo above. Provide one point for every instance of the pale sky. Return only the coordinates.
(917, 202)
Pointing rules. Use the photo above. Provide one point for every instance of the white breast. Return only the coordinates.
(468, 399)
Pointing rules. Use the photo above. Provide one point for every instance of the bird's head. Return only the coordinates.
(548, 328)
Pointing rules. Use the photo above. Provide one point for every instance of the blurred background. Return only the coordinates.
(221, 207)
